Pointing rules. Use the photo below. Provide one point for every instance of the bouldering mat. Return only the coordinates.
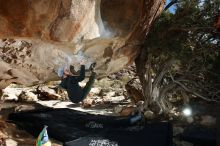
(75, 128)
(200, 135)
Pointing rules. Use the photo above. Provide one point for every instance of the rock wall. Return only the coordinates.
(47, 34)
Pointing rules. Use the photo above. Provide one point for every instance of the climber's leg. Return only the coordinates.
(88, 86)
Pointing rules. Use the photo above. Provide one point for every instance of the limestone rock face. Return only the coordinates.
(40, 36)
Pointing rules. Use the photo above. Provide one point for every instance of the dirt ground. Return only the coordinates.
(108, 96)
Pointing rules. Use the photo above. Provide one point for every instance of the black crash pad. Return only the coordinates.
(200, 135)
(75, 128)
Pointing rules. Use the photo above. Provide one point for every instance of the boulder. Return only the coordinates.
(40, 37)
(27, 96)
(11, 142)
(46, 93)
(127, 111)
(88, 102)
(134, 91)
(149, 115)
(208, 120)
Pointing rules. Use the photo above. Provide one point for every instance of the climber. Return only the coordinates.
(70, 82)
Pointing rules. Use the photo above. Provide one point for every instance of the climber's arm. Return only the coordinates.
(82, 74)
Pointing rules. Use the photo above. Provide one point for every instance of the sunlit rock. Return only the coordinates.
(46, 35)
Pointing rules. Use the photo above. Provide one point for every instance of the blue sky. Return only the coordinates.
(172, 8)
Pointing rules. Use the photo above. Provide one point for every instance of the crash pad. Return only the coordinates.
(75, 128)
(200, 135)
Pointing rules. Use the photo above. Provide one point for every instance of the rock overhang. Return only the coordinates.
(108, 32)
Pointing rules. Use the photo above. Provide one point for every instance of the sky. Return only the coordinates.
(172, 8)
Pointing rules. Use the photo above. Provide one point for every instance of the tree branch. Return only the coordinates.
(170, 4)
(190, 91)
